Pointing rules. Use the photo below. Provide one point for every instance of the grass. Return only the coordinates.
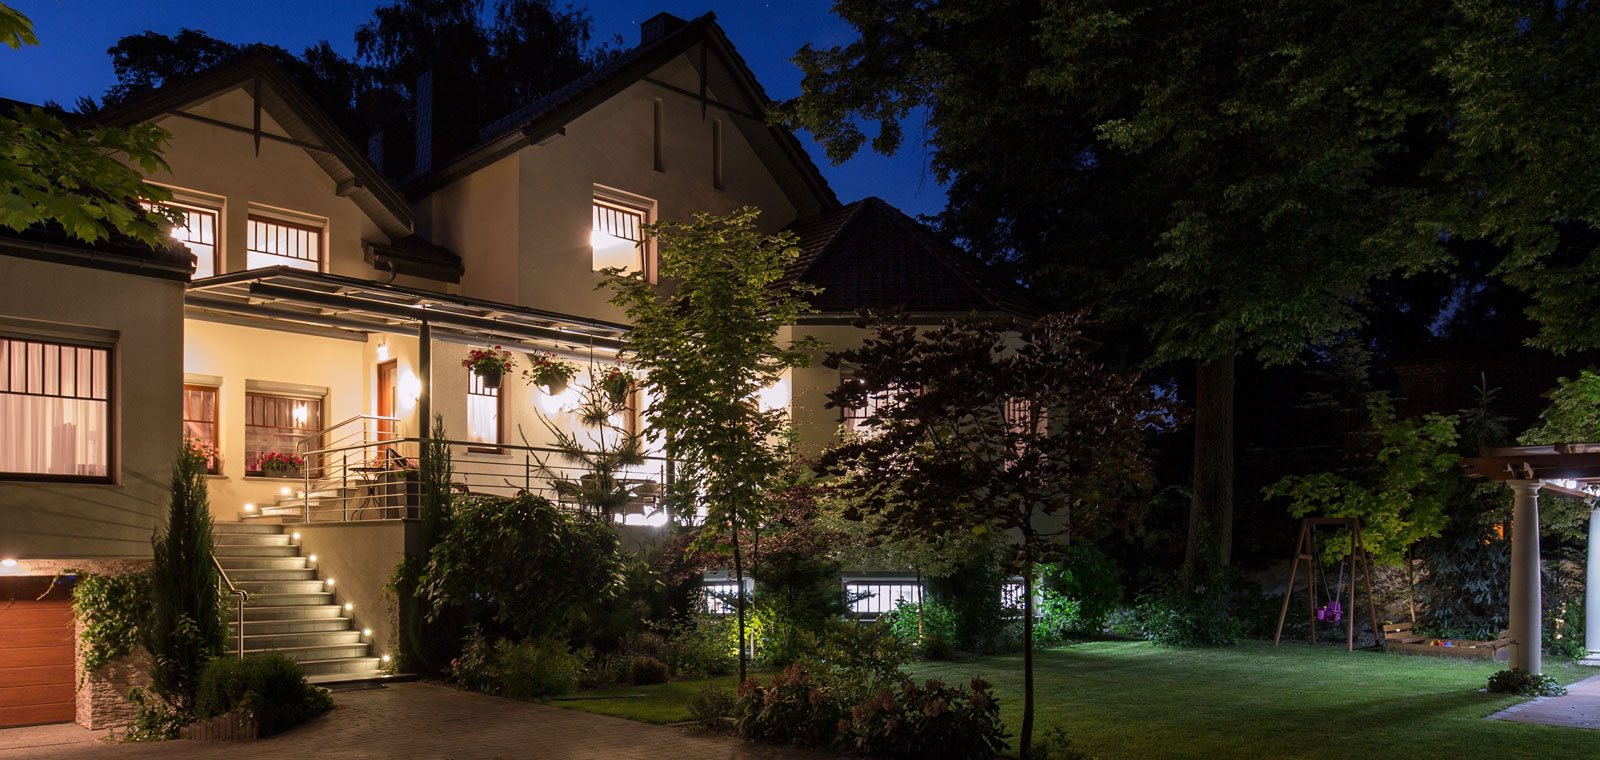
(1121, 699)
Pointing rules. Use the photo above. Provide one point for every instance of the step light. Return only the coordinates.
(312, 558)
(8, 562)
(248, 507)
(330, 582)
(348, 606)
(366, 631)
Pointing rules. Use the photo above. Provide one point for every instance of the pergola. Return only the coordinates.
(1570, 469)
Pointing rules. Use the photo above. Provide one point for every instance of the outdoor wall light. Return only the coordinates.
(284, 491)
(8, 562)
(383, 350)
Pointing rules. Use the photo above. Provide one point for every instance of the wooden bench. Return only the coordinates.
(1399, 637)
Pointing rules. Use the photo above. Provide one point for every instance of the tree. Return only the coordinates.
(707, 347)
(602, 450)
(84, 180)
(1224, 177)
(1524, 139)
(992, 428)
(187, 625)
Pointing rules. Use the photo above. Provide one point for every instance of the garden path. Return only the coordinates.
(418, 720)
(1580, 708)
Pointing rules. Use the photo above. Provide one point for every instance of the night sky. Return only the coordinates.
(71, 58)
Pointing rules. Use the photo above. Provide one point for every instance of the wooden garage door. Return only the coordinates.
(35, 653)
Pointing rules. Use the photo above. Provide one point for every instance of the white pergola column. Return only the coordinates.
(1526, 601)
(1591, 592)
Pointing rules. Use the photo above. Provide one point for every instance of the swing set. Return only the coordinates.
(1333, 609)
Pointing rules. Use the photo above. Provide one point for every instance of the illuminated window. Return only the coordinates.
(199, 232)
(869, 599)
(617, 237)
(270, 243)
(55, 401)
(275, 424)
(483, 412)
(200, 421)
(855, 417)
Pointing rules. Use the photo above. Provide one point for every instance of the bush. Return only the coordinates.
(1088, 578)
(535, 669)
(792, 709)
(271, 686)
(1188, 612)
(700, 645)
(938, 622)
(937, 648)
(648, 670)
(1059, 618)
(712, 707)
(929, 721)
(606, 669)
(1526, 684)
(972, 594)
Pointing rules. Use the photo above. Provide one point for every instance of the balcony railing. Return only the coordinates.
(371, 472)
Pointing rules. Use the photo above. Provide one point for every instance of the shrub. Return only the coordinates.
(648, 670)
(271, 686)
(700, 645)
(937, 648)
(792, 709)
(534, 669)
(1526, 684)
(606, 669)
(928, 721)
(1087, 577)
(711, 707)
(854, 660)
(1188, 612)
(938, 621)
(972, 594)
(112, 607)
(1059, 618)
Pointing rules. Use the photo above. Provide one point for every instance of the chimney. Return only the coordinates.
(422, 119)
(375, 148)
(658, 26)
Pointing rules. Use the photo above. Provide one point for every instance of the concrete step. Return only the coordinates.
(311, 625)
(246, 550)
(341, 666)
(291, 612)
(263, 563)
(248, 575)
(290, 600)
(250, 539)
(312, 586)
(254, 528)
(264, 641)
(330, 660)
(360, 678)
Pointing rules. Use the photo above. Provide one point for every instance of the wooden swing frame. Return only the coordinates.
(1304, 552)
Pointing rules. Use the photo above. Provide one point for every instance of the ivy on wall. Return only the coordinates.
(111, 608)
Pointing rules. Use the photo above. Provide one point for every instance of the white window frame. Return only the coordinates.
(626, 202)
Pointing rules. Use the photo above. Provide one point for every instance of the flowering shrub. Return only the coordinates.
(547, 370)
(489, 361)
(275, 461)
(711, 707)
(793, 709)
(929, 721)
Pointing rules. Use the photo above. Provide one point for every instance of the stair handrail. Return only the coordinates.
(223, 579)
(303, 448)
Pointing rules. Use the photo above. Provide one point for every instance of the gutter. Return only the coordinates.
(113, 262)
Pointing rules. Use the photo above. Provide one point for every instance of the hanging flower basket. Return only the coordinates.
(549, 372)
(489, 364)
(276, 465)
(616, 384)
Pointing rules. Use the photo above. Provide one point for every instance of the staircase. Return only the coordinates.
(290, 610)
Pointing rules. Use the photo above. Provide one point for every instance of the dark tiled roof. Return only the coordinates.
(120, 253)
(870, 255)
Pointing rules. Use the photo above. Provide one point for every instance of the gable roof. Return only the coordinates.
(549, 115)
(871, 255)
(308, 128)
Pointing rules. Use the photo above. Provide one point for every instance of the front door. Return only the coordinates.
(388, 377)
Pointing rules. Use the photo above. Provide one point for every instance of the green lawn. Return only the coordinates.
(1138, 700)
(664, 703)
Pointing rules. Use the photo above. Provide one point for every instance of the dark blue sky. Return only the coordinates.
(71, 59)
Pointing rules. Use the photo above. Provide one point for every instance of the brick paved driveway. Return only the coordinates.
(417, 720)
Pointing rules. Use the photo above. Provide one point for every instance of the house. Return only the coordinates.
(330, 308)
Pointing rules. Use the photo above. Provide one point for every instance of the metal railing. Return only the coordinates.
(370, 479)
(225, 585)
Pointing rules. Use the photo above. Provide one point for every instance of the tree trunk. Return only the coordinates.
(738, 577)
(922, 600)
(1026, 738)
(1211, 506)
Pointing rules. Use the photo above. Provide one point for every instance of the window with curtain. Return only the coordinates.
(55, 410)
(200, 422)
(270, 243)
(199, 233)
(483, 412)
(274, 424)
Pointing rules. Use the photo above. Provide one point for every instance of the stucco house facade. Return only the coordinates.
(313, 309)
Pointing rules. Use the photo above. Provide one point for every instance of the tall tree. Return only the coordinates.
(88, 181)
(186, 626)
(707, 347)
(992, 428)
(1228, 176)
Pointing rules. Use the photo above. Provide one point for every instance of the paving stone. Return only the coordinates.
(1579, 708)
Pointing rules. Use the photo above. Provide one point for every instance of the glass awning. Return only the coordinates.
(282, 294)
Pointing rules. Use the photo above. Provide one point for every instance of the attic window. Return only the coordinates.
(617, 236)
(199, 232)
(271, 242)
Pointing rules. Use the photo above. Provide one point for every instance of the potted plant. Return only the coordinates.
(276, 465)
(549, 372)
(489, 364)
(616, 383)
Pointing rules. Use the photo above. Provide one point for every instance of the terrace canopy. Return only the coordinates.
(1570, 469)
